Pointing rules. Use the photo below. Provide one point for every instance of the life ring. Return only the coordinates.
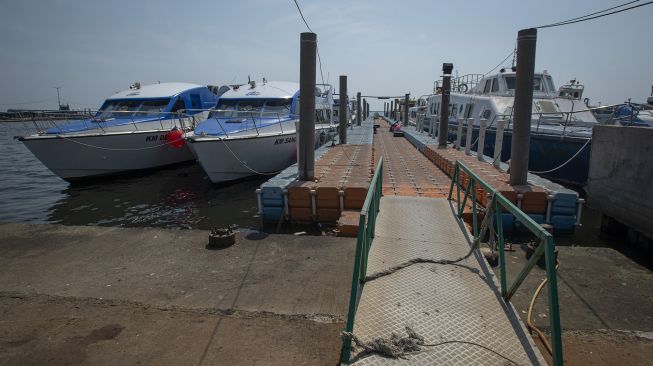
(463, 88)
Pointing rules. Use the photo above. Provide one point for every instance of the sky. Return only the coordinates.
(92, 49)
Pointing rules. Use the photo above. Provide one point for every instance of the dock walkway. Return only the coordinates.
(457, 306)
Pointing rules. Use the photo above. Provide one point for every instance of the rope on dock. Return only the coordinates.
(400, 347)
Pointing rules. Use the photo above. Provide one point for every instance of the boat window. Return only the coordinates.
(277, 106)
(549, 83)
(250, 105)
(153, 107)
(510, 82)
(238, 108)
(179, 105)
(537, 83)
(495, 85)
(126, 108)
(486, 89)
(195, 101)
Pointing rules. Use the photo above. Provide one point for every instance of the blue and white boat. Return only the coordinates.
(561, 124)
(136, 129)
(253, 130)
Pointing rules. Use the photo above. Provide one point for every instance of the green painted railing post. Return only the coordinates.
(502, 247)
(497, 204)
(458, 190)
(353, 295)
(474, 212)
(554, 309)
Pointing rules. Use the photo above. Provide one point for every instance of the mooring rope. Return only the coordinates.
(565, 163)
(399, 347)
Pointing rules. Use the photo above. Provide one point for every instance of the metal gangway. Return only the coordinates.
(422, 293)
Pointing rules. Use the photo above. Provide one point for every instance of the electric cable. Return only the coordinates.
(599, 14)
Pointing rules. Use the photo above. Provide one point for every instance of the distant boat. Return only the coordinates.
(139, 128)
(253, 130)
(561, 125)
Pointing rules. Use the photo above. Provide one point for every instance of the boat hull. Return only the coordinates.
(231, 159)
(77, 157)
(546, 152)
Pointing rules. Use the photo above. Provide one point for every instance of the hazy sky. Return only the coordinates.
(94, 48)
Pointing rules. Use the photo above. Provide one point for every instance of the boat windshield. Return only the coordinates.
(130, 108)
(228, 108)
(538, 83)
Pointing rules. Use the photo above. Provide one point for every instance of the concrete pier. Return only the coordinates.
(93, 295)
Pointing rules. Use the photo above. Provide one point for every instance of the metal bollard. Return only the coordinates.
(459, 133)
(498, 142)
(468, 138)
(481, 139)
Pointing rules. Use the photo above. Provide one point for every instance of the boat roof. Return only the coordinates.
(270, 89)
(161, 90)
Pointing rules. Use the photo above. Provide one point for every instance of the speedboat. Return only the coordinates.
(253, 130)
(140, 128)
(561, 125)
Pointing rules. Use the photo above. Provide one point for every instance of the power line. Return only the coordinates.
(601, 13)
(316, 46)
(302, 15)
(500, 63)
(595, 13)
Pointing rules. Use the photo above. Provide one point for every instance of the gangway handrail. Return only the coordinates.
(366, 224)
(495, 206)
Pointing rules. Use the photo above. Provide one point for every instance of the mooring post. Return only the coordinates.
(468, 137)
(359, 112)
(307, 73)
(444, 106)
(364, 109)
(481, 139)
(459, 134)
(521, 128)
(406, 97)
(498, 142)
(342, 112)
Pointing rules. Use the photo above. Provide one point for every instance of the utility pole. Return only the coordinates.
(444, 107)
(58, 98)
(406, 101)
(521, 127)
(307, 73)
(359, 112)
(342, 113)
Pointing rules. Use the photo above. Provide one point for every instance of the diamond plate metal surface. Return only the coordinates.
(443, 303)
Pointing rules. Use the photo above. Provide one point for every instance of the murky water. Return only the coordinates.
(179, 197)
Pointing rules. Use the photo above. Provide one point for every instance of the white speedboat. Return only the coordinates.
(136, 129)
(561, 124)
(253, 130)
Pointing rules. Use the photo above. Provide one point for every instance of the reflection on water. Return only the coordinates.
(179, 197)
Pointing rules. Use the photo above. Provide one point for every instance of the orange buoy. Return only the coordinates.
(175, 138)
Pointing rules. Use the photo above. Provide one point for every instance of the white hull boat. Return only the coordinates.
(137, 129)
(253, 131)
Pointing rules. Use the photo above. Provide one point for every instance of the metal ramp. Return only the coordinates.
(457, 308)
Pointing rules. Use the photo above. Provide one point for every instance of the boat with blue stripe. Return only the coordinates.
(253, 130)
(140, 128)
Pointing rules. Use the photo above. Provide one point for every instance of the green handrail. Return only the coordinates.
(497, 203)
(366, 225)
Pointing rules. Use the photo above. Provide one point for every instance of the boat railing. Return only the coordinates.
(105, 121)
(248, 120)
(461, 84)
